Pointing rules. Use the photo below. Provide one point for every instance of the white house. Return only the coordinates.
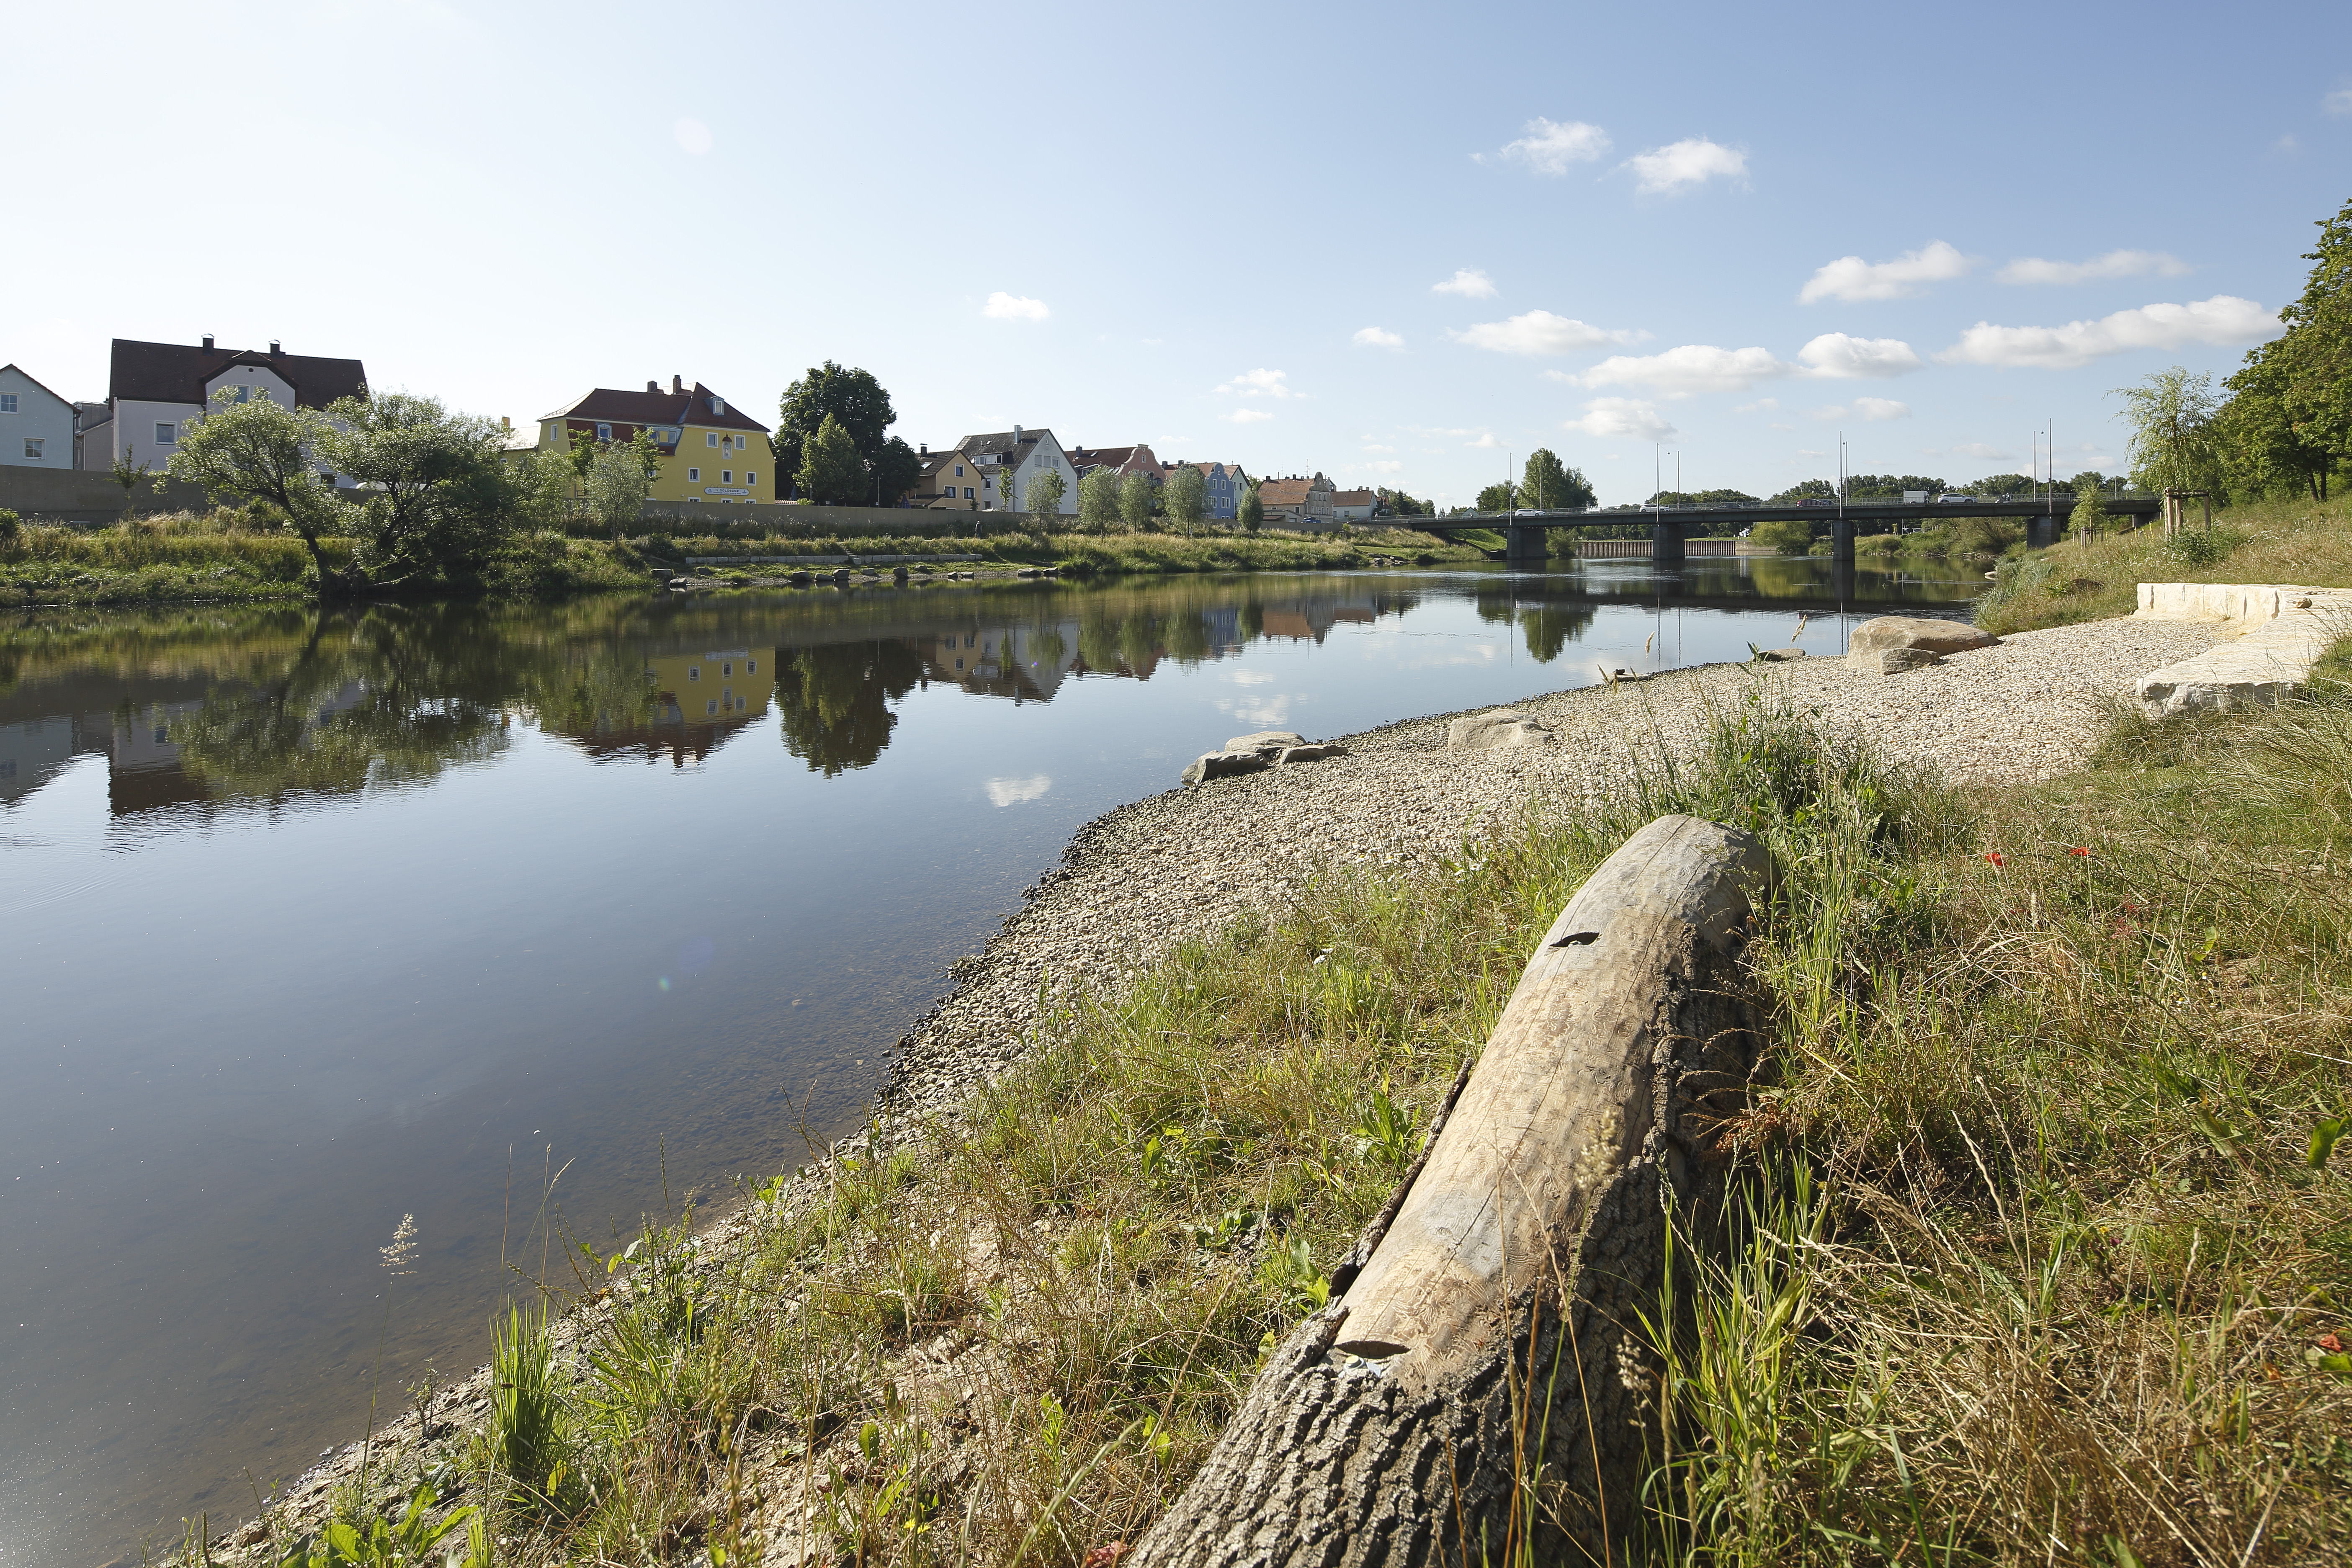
(1027, 454)
(157, 389)
(37, 426)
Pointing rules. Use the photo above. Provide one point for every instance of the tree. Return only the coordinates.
(1251, 512)
(1098, 499)
(853, 397)
(1790, 535)
(831, 472)
(442, 497)
(2314, 360)
(1187, 497)
(2089, 508)
(1550, 484)
(1498, 497)
(898, 469)
(2004, 485)
(2171, 417)
(1045, 493)
(1135, 499)
(619, 475)
(1806, 490)
(260, 452)
(1403, 504)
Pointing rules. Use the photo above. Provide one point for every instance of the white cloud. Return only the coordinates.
(2286, 143)
(2337, 102)
(1378, 446)
(1260, 383)
(2114, 264)
(1551, 145)
(1852, 278)
(1627, 417)
(1012, 791)
(1469, 282)
(1763, 405)
(1873, 408)
(2223, 320)
(1006, 307)
(1485, 440)
(1837, 357)
(1693, 367)
(1541, 333)
(1385, 468)
(1376, 338)
(1247, 415)
(1693, 161)
(692, 135)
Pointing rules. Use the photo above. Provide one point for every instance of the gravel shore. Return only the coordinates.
(1186, 863)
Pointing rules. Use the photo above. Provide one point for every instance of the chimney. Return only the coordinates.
(678, 386)
(923, 449)
(274, 350)
(208, 343)
(653, 386)
(505, 424)
(1016, 435)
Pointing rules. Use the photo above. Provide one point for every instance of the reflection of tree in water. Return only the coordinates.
(1549, 627)
(607, 689)
(835, 701)
(396, 696)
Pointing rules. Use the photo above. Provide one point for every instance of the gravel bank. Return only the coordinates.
(1185, 863)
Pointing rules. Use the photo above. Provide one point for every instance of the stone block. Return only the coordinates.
(1503, 729)
(1924, 632)
(1223, 765)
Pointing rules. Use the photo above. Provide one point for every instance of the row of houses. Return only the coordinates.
(708, 448)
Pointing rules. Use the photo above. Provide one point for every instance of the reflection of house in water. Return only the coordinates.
(684, 703)
(1026, 663)
(1310, 619)
(144, 770)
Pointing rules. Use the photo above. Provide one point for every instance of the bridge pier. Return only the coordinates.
(1665, 543)
(1842, 541)
(1525, 547)
(2041, 533)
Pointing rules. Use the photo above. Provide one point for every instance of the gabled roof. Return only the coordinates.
(1285, 492)
(617, 407)
(28, 375)
(1001, 443)
(1351, 498)
(177, 372)
(1136, 458)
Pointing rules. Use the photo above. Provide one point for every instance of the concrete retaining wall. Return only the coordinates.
(72, 495)
(2288, 629)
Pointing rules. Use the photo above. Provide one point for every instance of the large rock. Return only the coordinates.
(1500, 730)
(1314, 753)
(1892, 661)
(1224, 764)
(1916, 632)
(1266, 741)
(2292, 629)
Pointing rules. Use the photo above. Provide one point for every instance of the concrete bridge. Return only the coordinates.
(2045, 516)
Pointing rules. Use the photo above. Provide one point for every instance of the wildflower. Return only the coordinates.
(1995, 857)
(2082, 850)
(404, 1246)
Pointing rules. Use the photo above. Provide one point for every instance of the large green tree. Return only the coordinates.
(1550, 484)
(851, 397)
(442, 496)
(1187, 497)
(1135, 499)
(898, 469)
(620, 474)
(1498, 497)
(1251, 512)
(1098, 500)
(831, 472)
(2171, 418)
(259, 451)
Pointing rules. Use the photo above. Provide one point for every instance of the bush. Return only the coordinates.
(10, 525)
(2205, 547)
(1789, 535)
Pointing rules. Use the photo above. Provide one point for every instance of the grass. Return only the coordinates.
(2293, 540)
(2040, 1250)
(153, 559)
(1081, 553)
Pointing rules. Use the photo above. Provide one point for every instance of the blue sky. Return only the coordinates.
(1394, 244)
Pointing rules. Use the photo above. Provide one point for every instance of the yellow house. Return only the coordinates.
(710, 450)
(729, 686)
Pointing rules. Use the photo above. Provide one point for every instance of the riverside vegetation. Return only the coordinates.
(2041, 1247)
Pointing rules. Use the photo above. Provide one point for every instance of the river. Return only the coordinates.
(317, 921)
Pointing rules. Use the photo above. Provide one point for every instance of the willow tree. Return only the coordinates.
(1135, 499)
(1098, 500)
(2171, 415)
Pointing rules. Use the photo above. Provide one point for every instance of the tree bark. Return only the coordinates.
(1485, 1384)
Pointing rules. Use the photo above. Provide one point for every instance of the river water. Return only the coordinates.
(317, 921)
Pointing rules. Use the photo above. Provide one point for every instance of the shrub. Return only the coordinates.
(1789, 535)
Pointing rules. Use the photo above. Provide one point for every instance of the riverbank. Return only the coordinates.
(1120, 1157)
(224, 557)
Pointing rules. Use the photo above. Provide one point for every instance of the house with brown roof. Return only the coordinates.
(157, 390)
(1297, 503)
(1007, 461)
(707, 448)
(1355, 506)
(1120, 460)
(950, 482)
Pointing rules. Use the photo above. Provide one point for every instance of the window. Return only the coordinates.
(693, 476)
(243, 394)
(327, 476)
(967, 492)
(709, 439)
(710, 707)
(718, 406)
(750, 666)
(603, 432)
(751, 478)
(7, 403)
(727, 668)
(167, 435)
(958, 471)
(694, 672)
(32, 448)
(739, 704)
(725, 476)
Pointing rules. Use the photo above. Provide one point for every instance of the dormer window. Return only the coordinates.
(718, 406)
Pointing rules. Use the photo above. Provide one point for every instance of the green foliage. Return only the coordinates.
(1403, 505)
(1186, 496)
(852, 399)
(528, 1438)
(1497, 498)
(619, 476)
(1098, 499)
(259, 451)
(898, 469)
(2297, 423)
(2202, 546)
(2172, 442)
(1251, 512)
(1790, 536)
(11, 525)
(1550, 484)
(414, 1541)
(1806, 490)
(831, 472)
(1137, 496)
(2090, 507)
(1044, 497)
(442, 499)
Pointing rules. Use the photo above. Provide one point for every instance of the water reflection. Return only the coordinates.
(338, 912)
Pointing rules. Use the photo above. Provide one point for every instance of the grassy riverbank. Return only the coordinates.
(2047, 1255)
(1088, 553)
(2301, 541)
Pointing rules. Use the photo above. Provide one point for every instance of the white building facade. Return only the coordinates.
(37, 426)
(158, 390)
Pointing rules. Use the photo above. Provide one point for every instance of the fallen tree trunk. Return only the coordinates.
(1484, 1384)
